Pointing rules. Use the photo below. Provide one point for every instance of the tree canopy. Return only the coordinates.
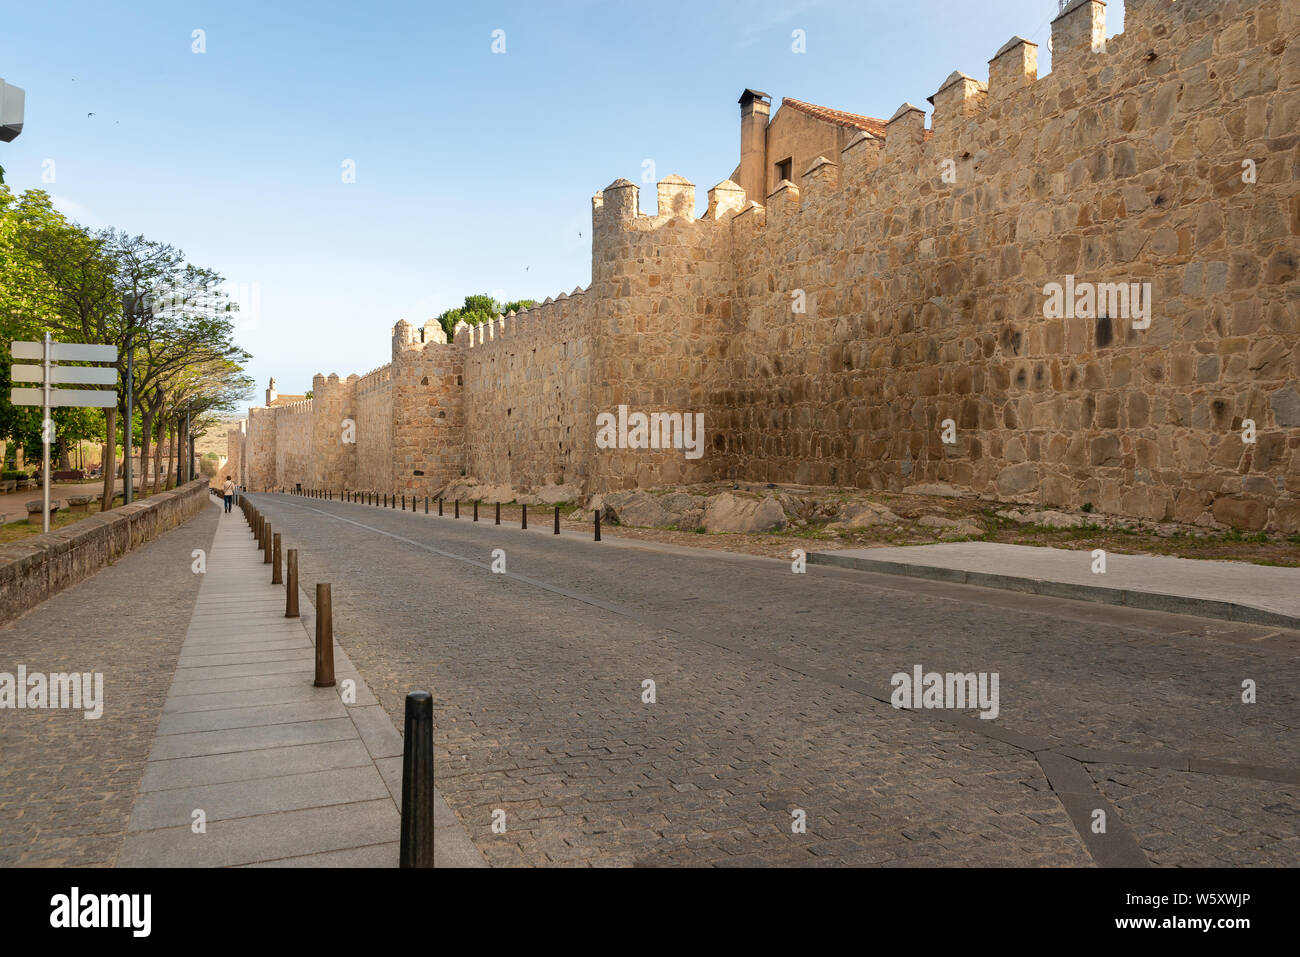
(109, 287)
(478, 309)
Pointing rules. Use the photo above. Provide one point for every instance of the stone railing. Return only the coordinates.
(36, 568)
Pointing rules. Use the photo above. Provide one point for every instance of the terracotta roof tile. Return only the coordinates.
(850, 120)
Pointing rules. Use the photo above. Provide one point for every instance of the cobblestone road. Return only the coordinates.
(67, 784)
(773, 697)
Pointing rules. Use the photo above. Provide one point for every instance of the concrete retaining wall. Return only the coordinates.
(33, 570)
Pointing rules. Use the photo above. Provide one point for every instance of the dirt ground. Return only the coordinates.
(1126, 536)
(13, 508)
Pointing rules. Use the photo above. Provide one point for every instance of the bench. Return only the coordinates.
(34, 511)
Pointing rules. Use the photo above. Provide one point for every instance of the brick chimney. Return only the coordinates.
(755, 108)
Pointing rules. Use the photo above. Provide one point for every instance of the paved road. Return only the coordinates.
(773, 697)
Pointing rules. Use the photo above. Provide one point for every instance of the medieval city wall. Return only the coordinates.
(925, 300)
(428, 417)
(662, 287)
(829, 331)
(374, 434)
(527, 380)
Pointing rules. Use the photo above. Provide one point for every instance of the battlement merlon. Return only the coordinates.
(1078, 33)
(1013, 68)
(676, 197)
(960, 96)
(408, 338)
(821, 177)
(725, 200)
(905, 133)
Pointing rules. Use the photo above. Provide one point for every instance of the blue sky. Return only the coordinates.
(474, 170)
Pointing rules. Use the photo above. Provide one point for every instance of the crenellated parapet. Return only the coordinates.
(894, 281)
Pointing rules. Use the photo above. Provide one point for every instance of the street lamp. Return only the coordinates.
(11, 111)
(133, 307)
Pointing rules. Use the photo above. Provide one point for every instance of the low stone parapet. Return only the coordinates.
(34, 569)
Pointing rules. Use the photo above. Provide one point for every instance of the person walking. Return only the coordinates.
(228, 490)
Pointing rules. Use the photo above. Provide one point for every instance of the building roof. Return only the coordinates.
(286, 399)
(840, 118)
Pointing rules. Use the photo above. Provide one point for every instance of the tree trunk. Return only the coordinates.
(146, 433)
(165, 476)
(180, 451)
(110, 458)
(158, 451)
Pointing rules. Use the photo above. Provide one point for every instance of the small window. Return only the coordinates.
(784, 168)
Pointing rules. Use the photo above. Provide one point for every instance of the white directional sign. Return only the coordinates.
(49, 375)
(65, 352)
(96, 398)
(67, 375)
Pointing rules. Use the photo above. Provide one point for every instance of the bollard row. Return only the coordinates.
(265, 538)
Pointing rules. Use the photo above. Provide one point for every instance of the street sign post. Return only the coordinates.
(48, 375)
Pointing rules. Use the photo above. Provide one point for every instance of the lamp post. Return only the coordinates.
(131, 308)
(11, 111)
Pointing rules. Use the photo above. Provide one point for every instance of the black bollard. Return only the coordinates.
(403, 501)
(417, 782)
(426, 505)
(439, 504)
(597, 524)
(457, 508)
(557, 520)
(324, 637)
(498, 521)
(524, 525)
(476, 510)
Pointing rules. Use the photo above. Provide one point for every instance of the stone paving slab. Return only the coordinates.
(285, 773)
(67, 785)
(249, 766)
(1234, 591)
(265, 837)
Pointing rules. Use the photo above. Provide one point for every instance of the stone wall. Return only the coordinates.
(830, 331)
(374, 430)
(925, 299)
(527, 385)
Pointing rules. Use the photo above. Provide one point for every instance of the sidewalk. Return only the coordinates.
(285, 773)
(1235, 591)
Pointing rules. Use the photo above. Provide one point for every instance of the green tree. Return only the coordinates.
(54, 276)
(476, 310)
(112, 288)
